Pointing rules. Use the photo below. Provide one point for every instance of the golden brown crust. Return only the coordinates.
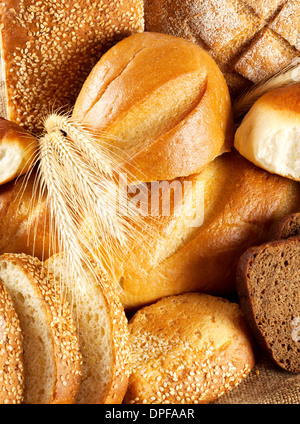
(11, 352)
(49, 48)
(67, 357)
(183, 104)
(189, 348)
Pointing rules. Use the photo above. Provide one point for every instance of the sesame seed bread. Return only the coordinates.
(190, 348)
(274, 147)
(52, 360)
(17, 150)
(288, 226)
(103, 336)
(11, 352)
(162, 105)
(251, 40)
(50, 46)
(268, 286)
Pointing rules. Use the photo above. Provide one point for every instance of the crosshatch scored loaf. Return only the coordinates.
(250, 39)
(49, 48)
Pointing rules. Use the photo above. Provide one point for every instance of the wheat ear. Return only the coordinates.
(287, 76)
(84, 198)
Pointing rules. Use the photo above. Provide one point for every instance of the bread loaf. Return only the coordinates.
(189, 348)
(288, 226)
(17, 150)
(251, 40)
(276, 146)
(11, 352)
(160, 104)
(52, 360)
(268, 286)
(50, 46)
(103, 335)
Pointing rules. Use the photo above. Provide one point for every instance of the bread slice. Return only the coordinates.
(190, 348)
(11, 352)
(289, 226)
(52, 360)
(268, 279)
(103, 336)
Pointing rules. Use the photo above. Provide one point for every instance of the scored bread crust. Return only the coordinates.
(17, 148)
(189, 348)
(252, 298)
(66, 355)
(112, 390)
(11, 352)
(160, 103)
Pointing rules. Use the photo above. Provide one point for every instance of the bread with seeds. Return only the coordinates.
(191, 348)
(17, 150)
(50, 46)
(11, 352)
(103, 335)
(52, 360)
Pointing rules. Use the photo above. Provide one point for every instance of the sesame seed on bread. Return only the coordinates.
(103, 333)
(190, 348)
(11, 352)
(52, 360)
(268, 279)
(50, 46)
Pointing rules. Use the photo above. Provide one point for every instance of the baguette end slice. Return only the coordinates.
(268, 286)
(11, 352)
(52, 359)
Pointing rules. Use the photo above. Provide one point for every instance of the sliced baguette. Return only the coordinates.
(52, 359)
(11, 352)
(103, 335)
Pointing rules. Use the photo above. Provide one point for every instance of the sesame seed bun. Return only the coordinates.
(52, 360)
(190, 348)
(11, 352)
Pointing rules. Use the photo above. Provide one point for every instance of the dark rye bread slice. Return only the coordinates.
(268, 285)
(289, 226)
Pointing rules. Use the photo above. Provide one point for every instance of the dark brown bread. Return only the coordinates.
(268, 284)
(288, 226)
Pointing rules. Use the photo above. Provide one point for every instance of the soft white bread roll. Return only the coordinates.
(11, 352)
(162, 104)
(52, 360)
(189, 348)
(17, 150)
(103, 335)
(269, 135)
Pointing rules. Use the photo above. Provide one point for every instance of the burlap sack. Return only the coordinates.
(266, 384)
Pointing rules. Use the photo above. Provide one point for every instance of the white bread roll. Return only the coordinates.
(161, 103)
(189, 348)
(269, 135)
(17, 150)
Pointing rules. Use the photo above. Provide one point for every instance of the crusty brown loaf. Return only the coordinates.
(17, 150)
(50, 46)
(11, 351)
(288, 226)
(250, 39)
(268, 286)
(189, 348)
(162, 104)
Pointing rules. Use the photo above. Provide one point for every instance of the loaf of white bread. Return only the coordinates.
(269, 135)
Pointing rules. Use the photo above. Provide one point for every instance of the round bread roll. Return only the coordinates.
(190, 348)
(17, 150)
(11, 352)
(269, 135)
(162, 105)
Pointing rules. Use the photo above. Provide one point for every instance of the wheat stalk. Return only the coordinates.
(85, 199)
(287, 76)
